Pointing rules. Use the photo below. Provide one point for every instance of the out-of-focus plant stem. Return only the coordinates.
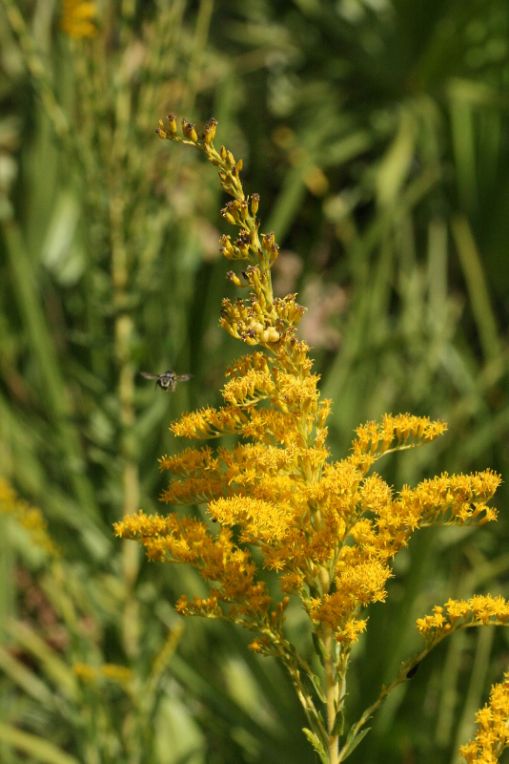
(123, 331)
(123, 335)
(43, 348)
(37, 70)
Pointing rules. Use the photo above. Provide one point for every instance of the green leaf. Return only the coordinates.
(54, 667)
(34, 746)
(317, 744)
(315, 681)
(351, 745)
(339, 724)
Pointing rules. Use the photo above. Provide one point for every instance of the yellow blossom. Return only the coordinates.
(479, 610)
(492, 736)
(79, 18)
(28, 517)
(209, 423)
(451, 499)
(393, 433)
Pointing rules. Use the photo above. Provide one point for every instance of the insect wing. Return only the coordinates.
(147, 375)
(183, 377)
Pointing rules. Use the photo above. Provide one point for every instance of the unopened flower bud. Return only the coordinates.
(254, 203)
(227, 215)
(268, 240)
(161, 132)
(171, 124)
(232, 276)
(189, 131)
(226, 247)
(209, 131)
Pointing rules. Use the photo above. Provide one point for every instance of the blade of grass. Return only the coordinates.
(477, 286)
(35, 746)
(43, 349)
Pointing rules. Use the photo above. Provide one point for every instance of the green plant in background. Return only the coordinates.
(108, 710)
(327, 530)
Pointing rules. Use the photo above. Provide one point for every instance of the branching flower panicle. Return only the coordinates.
(328, 529)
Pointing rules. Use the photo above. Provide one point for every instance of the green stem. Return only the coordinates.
(124, 326)
(402, 676)
(332, 694)
(37, 70)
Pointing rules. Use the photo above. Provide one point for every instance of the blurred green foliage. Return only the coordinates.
(375, 133)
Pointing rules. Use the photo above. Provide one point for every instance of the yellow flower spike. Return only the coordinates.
(394, 433)
(451, 499)
(479, 610)
(327, 531)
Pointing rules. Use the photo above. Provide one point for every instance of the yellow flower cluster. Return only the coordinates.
(275, 502)
(329, 530)
(492, 736)
(79, 18)
(28, 517)
(111, 672)
(220, 560)
(479, 610)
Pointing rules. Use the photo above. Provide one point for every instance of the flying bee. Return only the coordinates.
(167, 380)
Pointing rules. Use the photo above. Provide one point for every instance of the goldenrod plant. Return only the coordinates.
(285, 525)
